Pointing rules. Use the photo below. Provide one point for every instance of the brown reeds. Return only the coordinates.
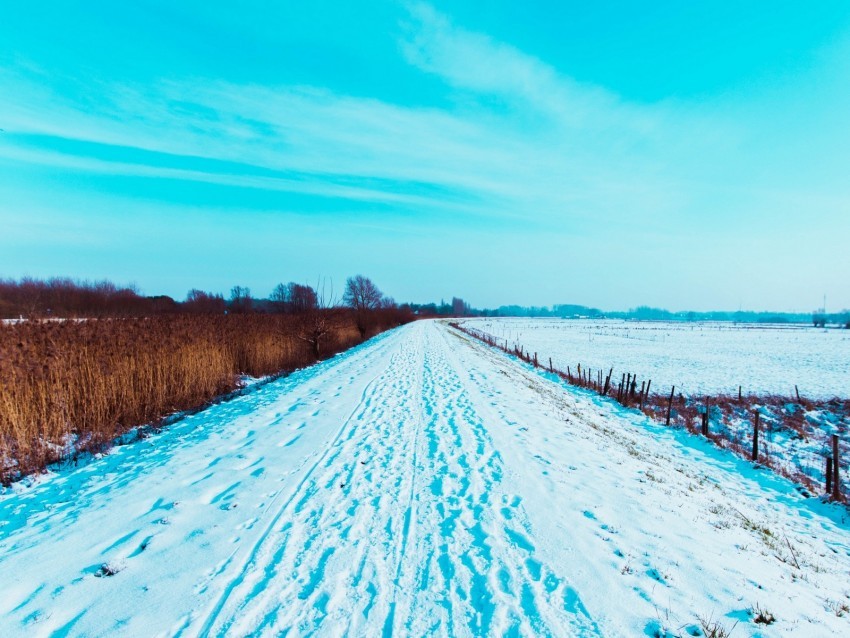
(71, 386)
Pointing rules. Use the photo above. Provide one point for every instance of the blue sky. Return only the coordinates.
(685, 155)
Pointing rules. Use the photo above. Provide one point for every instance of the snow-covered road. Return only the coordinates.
(421, 484)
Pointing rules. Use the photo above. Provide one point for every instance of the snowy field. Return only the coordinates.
(697, 358)
(420, 484)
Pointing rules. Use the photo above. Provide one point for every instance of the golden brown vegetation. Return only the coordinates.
(70, 386)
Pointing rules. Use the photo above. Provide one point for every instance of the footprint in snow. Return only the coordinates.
(142, 547)
(105, 570)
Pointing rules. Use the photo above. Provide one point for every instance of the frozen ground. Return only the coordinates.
(697, 358)
(796, 437)
(421, 484)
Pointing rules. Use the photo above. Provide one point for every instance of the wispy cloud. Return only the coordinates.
(515, 143)
(552, 150)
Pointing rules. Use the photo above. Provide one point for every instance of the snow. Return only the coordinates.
(420, 484)
(698, 358)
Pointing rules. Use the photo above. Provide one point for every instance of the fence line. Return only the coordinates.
(715, 418)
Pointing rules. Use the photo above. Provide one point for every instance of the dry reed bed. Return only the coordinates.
(784, 421)
(75, 386)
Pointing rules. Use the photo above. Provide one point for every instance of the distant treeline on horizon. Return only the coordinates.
(646, 313)
(65, 297)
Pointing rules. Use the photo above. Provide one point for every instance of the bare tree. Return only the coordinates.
(294, 297)
(318, 321)
(315, 327)
(201, 302)
(240, 299)
(302, 298)
(364, 297)
(361, 293)
(459, 307)
(280, 297)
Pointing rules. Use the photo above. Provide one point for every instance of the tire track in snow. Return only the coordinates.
(390, 624)
(236, 579)
(402, 526)
(487, 571)
(312, 528)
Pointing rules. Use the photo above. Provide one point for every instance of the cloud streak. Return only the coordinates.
(553, 151)
(515, 144)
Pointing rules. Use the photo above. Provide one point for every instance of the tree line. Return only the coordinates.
(68, 298)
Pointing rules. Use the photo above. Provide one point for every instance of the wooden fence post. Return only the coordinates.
(551, 369)
(670, 404)
(828, 475)
(797, 391)
(608, 382)
(642, 388)
(836, 458)
(739, 394)
(756, 436)
(705, 418)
